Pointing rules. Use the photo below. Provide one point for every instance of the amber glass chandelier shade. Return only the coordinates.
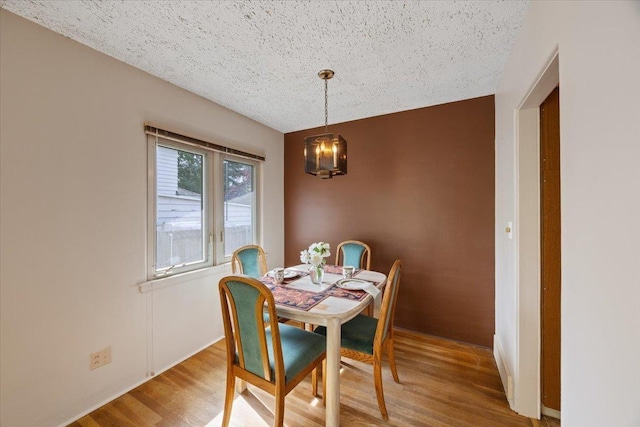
(325, 155)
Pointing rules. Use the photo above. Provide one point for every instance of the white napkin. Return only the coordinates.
(368, 287)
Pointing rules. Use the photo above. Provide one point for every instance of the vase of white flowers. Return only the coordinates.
(316, 255)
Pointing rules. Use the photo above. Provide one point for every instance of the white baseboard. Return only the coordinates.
(550, 412)
(503, 369)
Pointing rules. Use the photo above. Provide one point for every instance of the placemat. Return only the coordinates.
(335, 291)
(302, 300)
(337, 269)
(268, 280)
(296, 298)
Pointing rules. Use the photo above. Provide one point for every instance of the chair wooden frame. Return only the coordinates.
(236, 262)
(366, 254)
(275, 384)
(237, 268)
(383, 340)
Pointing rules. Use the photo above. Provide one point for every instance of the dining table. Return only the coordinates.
(329, 304)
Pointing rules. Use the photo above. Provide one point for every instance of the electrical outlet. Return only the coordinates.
(100, 358)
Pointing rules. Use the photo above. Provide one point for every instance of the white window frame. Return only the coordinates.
(219, 213)
(213, 205)
(207, 195)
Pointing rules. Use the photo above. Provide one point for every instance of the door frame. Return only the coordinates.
(527, 378)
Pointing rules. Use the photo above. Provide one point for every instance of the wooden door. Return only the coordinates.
(550, 244)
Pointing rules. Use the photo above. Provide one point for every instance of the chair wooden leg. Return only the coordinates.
(324, 382)
(228, 399)
(314, 382)
(279, 415)
(377, 378)
(392, 360)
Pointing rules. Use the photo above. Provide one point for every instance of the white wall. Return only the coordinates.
(73, 186)
(599, 56)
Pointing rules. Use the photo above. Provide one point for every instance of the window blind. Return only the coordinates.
(172, 136)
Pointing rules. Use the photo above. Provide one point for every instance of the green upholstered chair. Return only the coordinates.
(364, 338)
(355, 253)
(273, 357)
(250, 260)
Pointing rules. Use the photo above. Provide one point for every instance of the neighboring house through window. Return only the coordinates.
(180, 218)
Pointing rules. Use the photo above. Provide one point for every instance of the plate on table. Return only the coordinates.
(352, 284)
(288, 274)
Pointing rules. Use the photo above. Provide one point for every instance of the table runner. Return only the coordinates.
(305, 300)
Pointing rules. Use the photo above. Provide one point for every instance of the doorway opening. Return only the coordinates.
(550, 255)
(527, 387)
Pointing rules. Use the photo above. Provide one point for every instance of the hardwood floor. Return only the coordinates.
(549, 422)
(442, 384)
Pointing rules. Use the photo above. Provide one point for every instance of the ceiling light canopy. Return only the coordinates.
(325, 155)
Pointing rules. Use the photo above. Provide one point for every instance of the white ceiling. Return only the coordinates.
(261, 58)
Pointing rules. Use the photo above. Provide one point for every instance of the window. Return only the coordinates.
(197, 196)
(239, 205)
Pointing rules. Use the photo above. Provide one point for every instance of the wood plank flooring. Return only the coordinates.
(443, 383)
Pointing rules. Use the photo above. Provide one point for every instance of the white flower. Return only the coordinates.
(304, 256)
(316, 254)
(315, 259)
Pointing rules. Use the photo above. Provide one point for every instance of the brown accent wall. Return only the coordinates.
(420, 187)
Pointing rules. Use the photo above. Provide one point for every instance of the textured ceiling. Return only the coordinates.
(261, 58)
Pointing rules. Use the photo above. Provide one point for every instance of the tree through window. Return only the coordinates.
(239, 205)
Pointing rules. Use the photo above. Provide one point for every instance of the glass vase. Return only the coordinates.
(317, 274)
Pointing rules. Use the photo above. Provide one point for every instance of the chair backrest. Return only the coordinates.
(388, 307)
(355, 253)
(249, 260)
(243, 300)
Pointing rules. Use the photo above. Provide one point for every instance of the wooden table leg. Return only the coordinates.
(332, 376)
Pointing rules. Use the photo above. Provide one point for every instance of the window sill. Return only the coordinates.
(176, 279)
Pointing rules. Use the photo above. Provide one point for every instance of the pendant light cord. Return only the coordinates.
(326, 106)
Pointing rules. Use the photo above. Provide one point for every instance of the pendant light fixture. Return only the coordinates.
(325, 155)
